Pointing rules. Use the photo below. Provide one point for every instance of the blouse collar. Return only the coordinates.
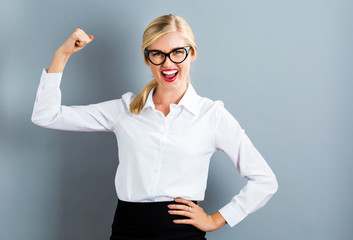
(188, 101)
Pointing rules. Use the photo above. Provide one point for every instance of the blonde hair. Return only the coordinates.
(157, 28)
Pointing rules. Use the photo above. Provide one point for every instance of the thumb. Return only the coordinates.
(91, 37)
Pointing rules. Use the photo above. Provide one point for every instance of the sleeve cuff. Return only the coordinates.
(232, 213)
(50, 79)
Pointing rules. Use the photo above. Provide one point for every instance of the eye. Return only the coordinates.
(156, 54)
(176, 52)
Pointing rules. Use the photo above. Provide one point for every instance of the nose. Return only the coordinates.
(167, 62)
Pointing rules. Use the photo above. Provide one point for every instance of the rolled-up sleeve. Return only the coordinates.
(262, 184)
(48, 111)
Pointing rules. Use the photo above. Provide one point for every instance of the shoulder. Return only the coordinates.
(127, 98)
(215, 111)
(208, 105)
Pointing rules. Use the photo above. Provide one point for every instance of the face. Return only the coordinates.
(170, 75)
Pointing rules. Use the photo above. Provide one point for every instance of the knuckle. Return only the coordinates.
(75, 35)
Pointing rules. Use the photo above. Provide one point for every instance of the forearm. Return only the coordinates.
(59, 61)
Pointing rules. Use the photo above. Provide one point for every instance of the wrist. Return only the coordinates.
(61, 54)
(218, 220)
(59, 61)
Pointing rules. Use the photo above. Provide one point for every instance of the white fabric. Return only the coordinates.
(163, 157)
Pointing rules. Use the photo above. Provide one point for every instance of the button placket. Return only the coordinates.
(162, 140)
(158, 162)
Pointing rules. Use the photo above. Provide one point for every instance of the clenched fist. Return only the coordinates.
(77, 41)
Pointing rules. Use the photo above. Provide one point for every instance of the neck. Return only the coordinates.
(165, 97)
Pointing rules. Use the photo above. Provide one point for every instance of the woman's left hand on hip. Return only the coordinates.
(197, 217)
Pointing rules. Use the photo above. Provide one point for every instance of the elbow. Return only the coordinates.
(274, 186)
(34, 119)
(271, 183)
(268, 184)
(37, 117)
(40, 120)
(37, 120)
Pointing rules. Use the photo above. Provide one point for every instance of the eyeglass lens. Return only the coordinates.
(177, 56)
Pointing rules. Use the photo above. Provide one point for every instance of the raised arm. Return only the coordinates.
(48, 111)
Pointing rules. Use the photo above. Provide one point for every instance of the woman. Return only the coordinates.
(166, 136)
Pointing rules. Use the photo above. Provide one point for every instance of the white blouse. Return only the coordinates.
(163, 157)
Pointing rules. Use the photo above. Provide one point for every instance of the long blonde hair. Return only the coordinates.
(157, 28)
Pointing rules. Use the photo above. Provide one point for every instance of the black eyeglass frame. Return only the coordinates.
(186, 48)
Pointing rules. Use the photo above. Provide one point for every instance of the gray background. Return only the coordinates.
(282, 68)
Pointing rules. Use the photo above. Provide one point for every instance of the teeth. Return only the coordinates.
(170, 72)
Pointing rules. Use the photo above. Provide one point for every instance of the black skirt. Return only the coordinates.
(150, 220)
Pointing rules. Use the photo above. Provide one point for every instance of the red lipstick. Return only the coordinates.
(169, 75)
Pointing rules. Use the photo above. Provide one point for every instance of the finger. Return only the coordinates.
(187, 202)
(179, 206)
(77, 38)
(183, 221)
(84, 37)
(181, 213)
(82, 41)
(81, 38)
(79, 43)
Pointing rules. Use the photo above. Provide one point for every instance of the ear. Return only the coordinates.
(192, 54)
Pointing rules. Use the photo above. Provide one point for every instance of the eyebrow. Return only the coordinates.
(162, 51)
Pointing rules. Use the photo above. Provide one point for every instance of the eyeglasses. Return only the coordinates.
(177, 55)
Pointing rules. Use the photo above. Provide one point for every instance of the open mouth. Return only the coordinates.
(170, 75)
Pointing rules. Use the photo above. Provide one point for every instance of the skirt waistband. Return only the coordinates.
(146, 214)
(151, 220)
